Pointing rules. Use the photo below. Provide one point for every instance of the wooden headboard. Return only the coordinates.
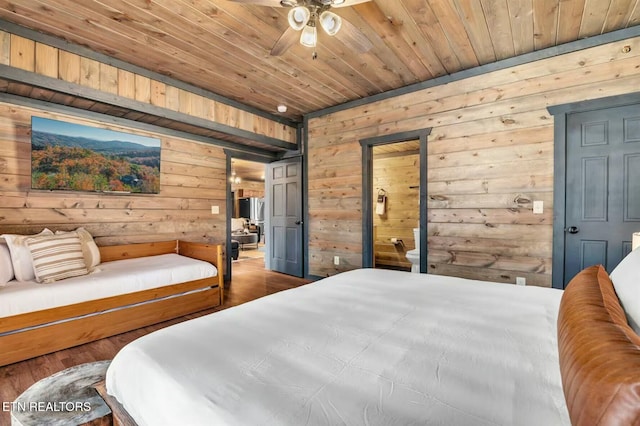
(599, 353)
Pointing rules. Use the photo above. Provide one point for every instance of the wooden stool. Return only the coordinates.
(65, 398)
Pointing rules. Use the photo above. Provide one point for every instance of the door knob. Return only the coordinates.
(573, 229)
(299, 222)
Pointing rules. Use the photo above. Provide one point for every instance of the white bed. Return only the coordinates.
(370, 347)
(110, 279)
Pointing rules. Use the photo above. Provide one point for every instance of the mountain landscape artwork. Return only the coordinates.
(74, 157)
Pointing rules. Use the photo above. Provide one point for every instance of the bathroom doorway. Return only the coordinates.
(394, 219)
(396, 211)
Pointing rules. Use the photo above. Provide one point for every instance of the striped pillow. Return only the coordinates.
(56, 257)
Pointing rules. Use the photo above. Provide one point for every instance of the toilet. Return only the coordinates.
(413, 256)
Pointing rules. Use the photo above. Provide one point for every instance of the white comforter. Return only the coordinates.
(110, 279)
(366, 347)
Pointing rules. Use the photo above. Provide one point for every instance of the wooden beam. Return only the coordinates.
(35, 103)
(32, 79)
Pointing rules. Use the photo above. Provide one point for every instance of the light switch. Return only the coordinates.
(215, 209)
(538, 207)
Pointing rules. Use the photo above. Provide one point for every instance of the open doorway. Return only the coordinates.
(396, 216)
(372, 197)
(247, 224)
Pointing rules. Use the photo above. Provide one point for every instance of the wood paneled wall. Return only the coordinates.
(398, 175)
(490, 155)
(192, 179)
(29, 55)
(249, 188)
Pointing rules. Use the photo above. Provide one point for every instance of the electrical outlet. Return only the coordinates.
(538, 207)
(336, 260)
(215, 209)
(521, 281)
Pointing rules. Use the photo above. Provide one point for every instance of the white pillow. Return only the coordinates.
(626, 282)
(21, 256)
(90, 249)
(6, 268)
(237, 224)
(56, 257)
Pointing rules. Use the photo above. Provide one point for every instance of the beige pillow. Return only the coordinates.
(6, 268)
(90, 249)
(21, 256)
(56, 257)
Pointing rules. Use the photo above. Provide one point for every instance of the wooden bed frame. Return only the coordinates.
(37, 333)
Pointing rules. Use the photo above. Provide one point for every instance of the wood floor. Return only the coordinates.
(249, 281)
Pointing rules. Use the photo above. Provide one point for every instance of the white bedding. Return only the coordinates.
(111, 279)
(366, 347)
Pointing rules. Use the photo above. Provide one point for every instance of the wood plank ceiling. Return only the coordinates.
(224, 46)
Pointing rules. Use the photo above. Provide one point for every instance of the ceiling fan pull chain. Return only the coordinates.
(315, 55)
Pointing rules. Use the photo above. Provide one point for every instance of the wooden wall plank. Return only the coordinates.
(108, 79)
(142, 88)
(126, 84)
(23, 53)
(46, 60)
(5, 48)
(172, 98)
(69, 67)
(158, 93)
(89, 73)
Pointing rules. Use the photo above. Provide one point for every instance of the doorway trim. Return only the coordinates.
(560, 115)
(231, 154)
(367, 145)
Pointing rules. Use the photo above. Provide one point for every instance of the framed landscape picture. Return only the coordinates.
(74, 157)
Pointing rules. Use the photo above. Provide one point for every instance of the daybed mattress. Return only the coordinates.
(110, 279)
(370, 347)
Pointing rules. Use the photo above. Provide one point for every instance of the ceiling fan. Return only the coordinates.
(307, 15)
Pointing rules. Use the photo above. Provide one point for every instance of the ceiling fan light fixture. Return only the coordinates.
(337, 2)
(299, 17)
(309, 36)
(330, 22)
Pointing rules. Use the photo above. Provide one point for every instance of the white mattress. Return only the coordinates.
(111, 279)
(366, 347)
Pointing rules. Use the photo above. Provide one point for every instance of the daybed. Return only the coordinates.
(136, 285)
(381, 347)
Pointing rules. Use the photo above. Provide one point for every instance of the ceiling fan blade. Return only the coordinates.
(271, 3)
(355, 39)
(286, 40)
(350, 3)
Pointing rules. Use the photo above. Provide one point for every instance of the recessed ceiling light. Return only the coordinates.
(282, 108)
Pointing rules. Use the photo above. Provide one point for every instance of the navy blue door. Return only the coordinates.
(603, 187)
